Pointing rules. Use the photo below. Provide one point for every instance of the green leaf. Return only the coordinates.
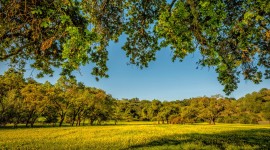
(44, 24)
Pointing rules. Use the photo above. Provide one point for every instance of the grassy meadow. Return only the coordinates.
(139, 135)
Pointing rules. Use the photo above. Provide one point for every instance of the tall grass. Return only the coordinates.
(136, 135)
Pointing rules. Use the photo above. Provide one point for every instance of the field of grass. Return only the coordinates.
(139, 136)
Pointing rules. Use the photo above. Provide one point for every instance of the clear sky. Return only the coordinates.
(163, 79)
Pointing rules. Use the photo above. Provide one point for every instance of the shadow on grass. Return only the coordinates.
(241, 139)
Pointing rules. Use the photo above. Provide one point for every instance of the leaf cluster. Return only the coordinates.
(232, 36)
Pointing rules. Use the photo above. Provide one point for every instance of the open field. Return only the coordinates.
(139, 136)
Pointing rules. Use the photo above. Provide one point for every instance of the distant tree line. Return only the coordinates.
(25, 101)
(249, 109)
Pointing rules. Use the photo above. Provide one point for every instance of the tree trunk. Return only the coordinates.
(91, 121)
(33, 122)
(83, 121)
(73, 119)
(29, 117)
(62, 120)
(15, 125)
(72, 122)
(78, 122)
(16, 122)
(212, 121)
(27, 122)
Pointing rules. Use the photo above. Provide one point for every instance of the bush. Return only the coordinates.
(230, 120)
(254, 121)
(244, 120)
(221, 120)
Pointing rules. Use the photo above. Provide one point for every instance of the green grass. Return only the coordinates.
(139, 135)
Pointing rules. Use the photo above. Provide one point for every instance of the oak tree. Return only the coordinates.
(231, 36)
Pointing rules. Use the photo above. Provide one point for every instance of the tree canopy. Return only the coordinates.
(232, 36)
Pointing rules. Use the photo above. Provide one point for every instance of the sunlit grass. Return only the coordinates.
(139, 135)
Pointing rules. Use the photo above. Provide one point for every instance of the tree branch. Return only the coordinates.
(15, 52)
(171, 5)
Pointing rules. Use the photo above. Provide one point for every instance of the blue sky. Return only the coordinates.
(163, 79)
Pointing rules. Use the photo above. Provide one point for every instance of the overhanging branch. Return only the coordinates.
(171, 5)
(15, 52)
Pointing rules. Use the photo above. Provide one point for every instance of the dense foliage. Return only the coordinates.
(25, 101)
(232, 36)
(68, 101)
(250, 109)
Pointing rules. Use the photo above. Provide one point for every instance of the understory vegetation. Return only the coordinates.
(25, 101)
